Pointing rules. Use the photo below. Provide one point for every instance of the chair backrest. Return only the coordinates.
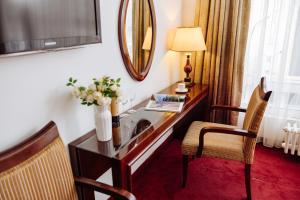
(37, 168)
(253, 117)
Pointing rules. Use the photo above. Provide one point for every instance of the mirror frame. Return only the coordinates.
(123, 46)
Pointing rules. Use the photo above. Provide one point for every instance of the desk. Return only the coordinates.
(133, 145)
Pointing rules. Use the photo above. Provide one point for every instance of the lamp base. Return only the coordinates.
(188, 69)
(189, 84)
(187, 80)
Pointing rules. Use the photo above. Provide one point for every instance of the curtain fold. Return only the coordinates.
(225, 28)
(141, 20)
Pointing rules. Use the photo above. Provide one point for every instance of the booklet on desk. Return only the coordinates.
(166, 103)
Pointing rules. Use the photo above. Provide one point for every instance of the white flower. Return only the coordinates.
(76, 92)
(100, 87)
(99, 101)
(83, 94)
(97, 95)
(101, 79)
(90, 99)
(93, 87)
(90, 92)
(107, 100)
(103, 101)
(94, 93)
(113, 87)
(119, 92)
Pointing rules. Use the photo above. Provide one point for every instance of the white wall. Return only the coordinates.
(33, 91)
(188, 12)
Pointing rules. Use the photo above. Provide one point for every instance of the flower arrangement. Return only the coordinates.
(99, 93)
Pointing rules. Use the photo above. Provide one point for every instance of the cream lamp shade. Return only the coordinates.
(188, 39)
(148, 39)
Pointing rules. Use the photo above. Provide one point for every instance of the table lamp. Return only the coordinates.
(188, 39)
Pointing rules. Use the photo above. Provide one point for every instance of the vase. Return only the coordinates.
(117, 140)
(103, 122)
(115, 110)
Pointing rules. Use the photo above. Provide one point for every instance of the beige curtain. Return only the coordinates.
(141, 21)
(225, 26)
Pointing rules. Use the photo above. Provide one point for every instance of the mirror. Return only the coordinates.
(137, 34)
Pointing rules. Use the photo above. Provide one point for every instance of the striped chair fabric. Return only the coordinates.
(46, 175)
(232, 147)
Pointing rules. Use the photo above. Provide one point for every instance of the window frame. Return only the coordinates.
(290, 48)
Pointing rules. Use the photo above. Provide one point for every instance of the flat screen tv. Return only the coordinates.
(31, 25)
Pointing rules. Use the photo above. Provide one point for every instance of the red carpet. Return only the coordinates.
(275, 176)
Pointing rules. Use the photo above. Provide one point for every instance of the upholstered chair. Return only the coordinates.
(226, 141)
(39, 168)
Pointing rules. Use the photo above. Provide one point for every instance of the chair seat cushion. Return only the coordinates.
(218, 145)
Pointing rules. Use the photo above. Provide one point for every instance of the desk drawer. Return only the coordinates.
(149, 150)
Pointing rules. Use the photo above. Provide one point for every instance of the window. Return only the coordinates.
(294, 69)
(273, 50)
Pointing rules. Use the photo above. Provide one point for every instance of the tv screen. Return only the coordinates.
(30, 25)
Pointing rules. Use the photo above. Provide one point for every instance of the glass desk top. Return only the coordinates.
(137, 130)
(130, 127)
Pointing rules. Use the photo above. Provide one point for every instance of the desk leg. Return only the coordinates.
(121, 175)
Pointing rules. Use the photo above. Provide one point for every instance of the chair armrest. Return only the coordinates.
(232, 131)
(231, 108)
(223, 130)
(117, 193)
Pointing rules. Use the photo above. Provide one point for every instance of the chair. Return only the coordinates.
(225, 141)
(39, 168)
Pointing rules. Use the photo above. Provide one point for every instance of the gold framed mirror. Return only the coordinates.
(137, 36)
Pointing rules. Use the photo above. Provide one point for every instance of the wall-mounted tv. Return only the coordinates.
(31, 25)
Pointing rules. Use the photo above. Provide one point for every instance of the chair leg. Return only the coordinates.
(185, 162)
(248, 180)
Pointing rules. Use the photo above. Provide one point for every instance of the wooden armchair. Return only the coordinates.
(225, 141)
(39, 168)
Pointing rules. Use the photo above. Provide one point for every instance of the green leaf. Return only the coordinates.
(81, 88)
(70, 79)
(74, 81)
(118, 80)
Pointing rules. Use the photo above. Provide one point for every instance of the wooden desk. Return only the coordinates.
(135, 139)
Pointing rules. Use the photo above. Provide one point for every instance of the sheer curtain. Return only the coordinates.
(273, 50)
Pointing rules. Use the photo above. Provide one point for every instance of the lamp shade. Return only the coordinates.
(148, 39)
(188, 39)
